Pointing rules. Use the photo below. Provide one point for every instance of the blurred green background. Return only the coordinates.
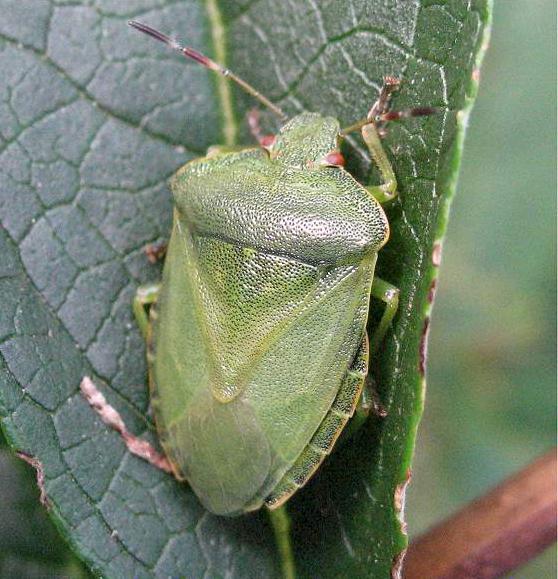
(490, 400)
(490, 406)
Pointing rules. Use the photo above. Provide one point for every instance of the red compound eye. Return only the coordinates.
(267, 140)
(334, 158)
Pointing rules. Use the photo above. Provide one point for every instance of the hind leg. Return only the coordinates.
(369, 402)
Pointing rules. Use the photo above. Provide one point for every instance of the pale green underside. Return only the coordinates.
(251, 346)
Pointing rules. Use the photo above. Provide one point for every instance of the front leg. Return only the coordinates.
(388, 190)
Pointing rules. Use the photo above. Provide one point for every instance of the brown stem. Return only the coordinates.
(495, 533)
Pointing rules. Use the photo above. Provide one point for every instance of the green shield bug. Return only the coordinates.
(257, 343)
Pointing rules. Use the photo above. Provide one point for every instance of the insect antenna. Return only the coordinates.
(208, 63)
(390, 116)
(380, 113)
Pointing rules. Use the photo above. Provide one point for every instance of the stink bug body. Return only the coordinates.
(257, 343)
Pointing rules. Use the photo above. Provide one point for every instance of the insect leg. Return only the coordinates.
(369, 401)
(381, 106)
(389, 294)
(145, 296)
(388, 190)
(155, 251)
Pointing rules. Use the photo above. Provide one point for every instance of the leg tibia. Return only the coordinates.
(369, 401)
(146, 295)
(388, 190)
(389, 294)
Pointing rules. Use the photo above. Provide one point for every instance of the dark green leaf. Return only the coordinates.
(94, 118)
(23, 521)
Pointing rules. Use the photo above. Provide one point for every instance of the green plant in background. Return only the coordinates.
(492, 368)
(108, 197)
